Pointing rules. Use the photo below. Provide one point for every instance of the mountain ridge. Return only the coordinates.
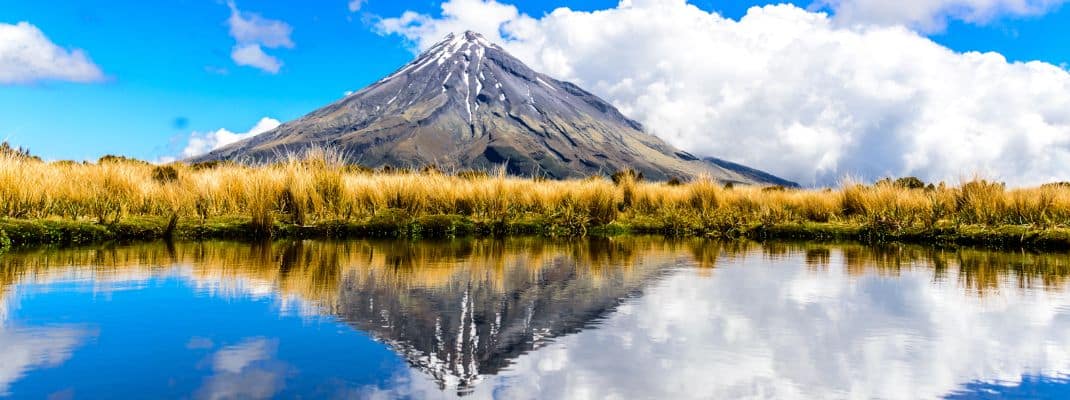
(465, 103)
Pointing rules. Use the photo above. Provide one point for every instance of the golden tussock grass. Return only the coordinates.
(321, 188)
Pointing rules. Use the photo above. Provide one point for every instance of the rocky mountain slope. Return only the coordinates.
(466, 103)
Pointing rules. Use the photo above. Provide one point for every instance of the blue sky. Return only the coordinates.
(168, 71)
(161, 64)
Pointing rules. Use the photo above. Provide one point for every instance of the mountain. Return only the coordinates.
(466, 103)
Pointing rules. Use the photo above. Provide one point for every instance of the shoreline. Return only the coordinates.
(26, 233)
(118, 199)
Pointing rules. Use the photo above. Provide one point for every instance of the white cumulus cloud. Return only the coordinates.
(932, 15)
(251, 55)
(204, 142)
(27, 56)
(355, 5)
(790, 90)
(253, 33)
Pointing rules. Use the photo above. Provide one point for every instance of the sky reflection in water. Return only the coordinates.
(527, 318)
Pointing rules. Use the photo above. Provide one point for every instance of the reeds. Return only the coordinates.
(321, 188)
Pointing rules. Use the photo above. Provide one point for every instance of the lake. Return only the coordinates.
(644, 318)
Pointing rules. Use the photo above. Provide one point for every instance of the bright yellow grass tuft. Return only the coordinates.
(322, 188)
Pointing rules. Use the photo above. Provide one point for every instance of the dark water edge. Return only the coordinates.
(528, 317)
(28, 233)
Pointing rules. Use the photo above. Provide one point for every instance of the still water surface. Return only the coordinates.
(529, 318)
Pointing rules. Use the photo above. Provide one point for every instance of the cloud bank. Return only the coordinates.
(28, 56)
(932, 15)
(790, 90)
(204, 142)
(252, 33)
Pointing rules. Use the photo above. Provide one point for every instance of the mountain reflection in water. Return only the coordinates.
(632, 317)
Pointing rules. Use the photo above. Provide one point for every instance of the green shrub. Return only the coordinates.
(356, 169)
(114, 159)
(442, 225)
(774, 188)
(910, 182)
(164, 174)
(628, 174)
(391, 222)
(472, 174)
(5, 242)
(207, 165)
(48, 232)
(1056, 185)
